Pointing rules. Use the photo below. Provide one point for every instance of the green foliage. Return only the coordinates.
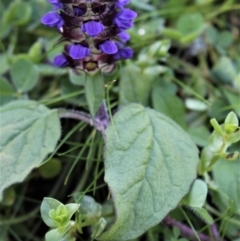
(202, 214)
(195, 200)
(77, 79)
(186, 66)
(197, 194)
(95, 93)
(15, 16)
(137, 79)
(9, 196)
(199, 134)
(145, 169)
(25, 125)
(224, 70)
(89, 208)
(24, 75)
(220, 140)
(226, 176)
(169, 104)
(58, 216)
(190, 23)
(6, 91)
(51, 168)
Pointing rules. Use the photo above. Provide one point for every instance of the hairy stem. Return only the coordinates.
(215, 233)
(186, 231)
(82, 116)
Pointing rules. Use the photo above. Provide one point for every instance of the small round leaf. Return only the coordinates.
(197, 195)
(24, 75)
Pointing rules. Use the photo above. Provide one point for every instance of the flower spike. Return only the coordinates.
(94, 30)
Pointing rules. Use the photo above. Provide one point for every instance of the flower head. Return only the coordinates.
(95, 31)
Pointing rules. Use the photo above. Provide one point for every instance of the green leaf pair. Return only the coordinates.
(219, 141)
(55, 214)
(58, 216)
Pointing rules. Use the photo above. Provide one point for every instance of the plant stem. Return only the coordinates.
(82, 116)
(185, 230)
(20, 219)
(215, 232)
(222, 216)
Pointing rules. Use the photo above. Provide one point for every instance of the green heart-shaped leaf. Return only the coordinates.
(149, 167)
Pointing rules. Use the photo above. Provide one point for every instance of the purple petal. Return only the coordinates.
(126, 14)
(56, 4)
(53, 1)
(52, 19)
(108, 47)
(121, 3)
(77, 51)
(124, 24)
(124, 19)
(92, 28)
(124, 53)
(60, 61)
(124, 36)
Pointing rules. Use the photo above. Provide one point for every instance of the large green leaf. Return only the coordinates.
(29, 132)
(149, 167)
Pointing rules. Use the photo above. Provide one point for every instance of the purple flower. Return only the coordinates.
(124, 18)
(52, 19)
(124, 36)
(108, 47)
(121, 3)
(60, 61)
(78, 51)
(94, 31)
(56, 4)
(124, 53)
(92, 28)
